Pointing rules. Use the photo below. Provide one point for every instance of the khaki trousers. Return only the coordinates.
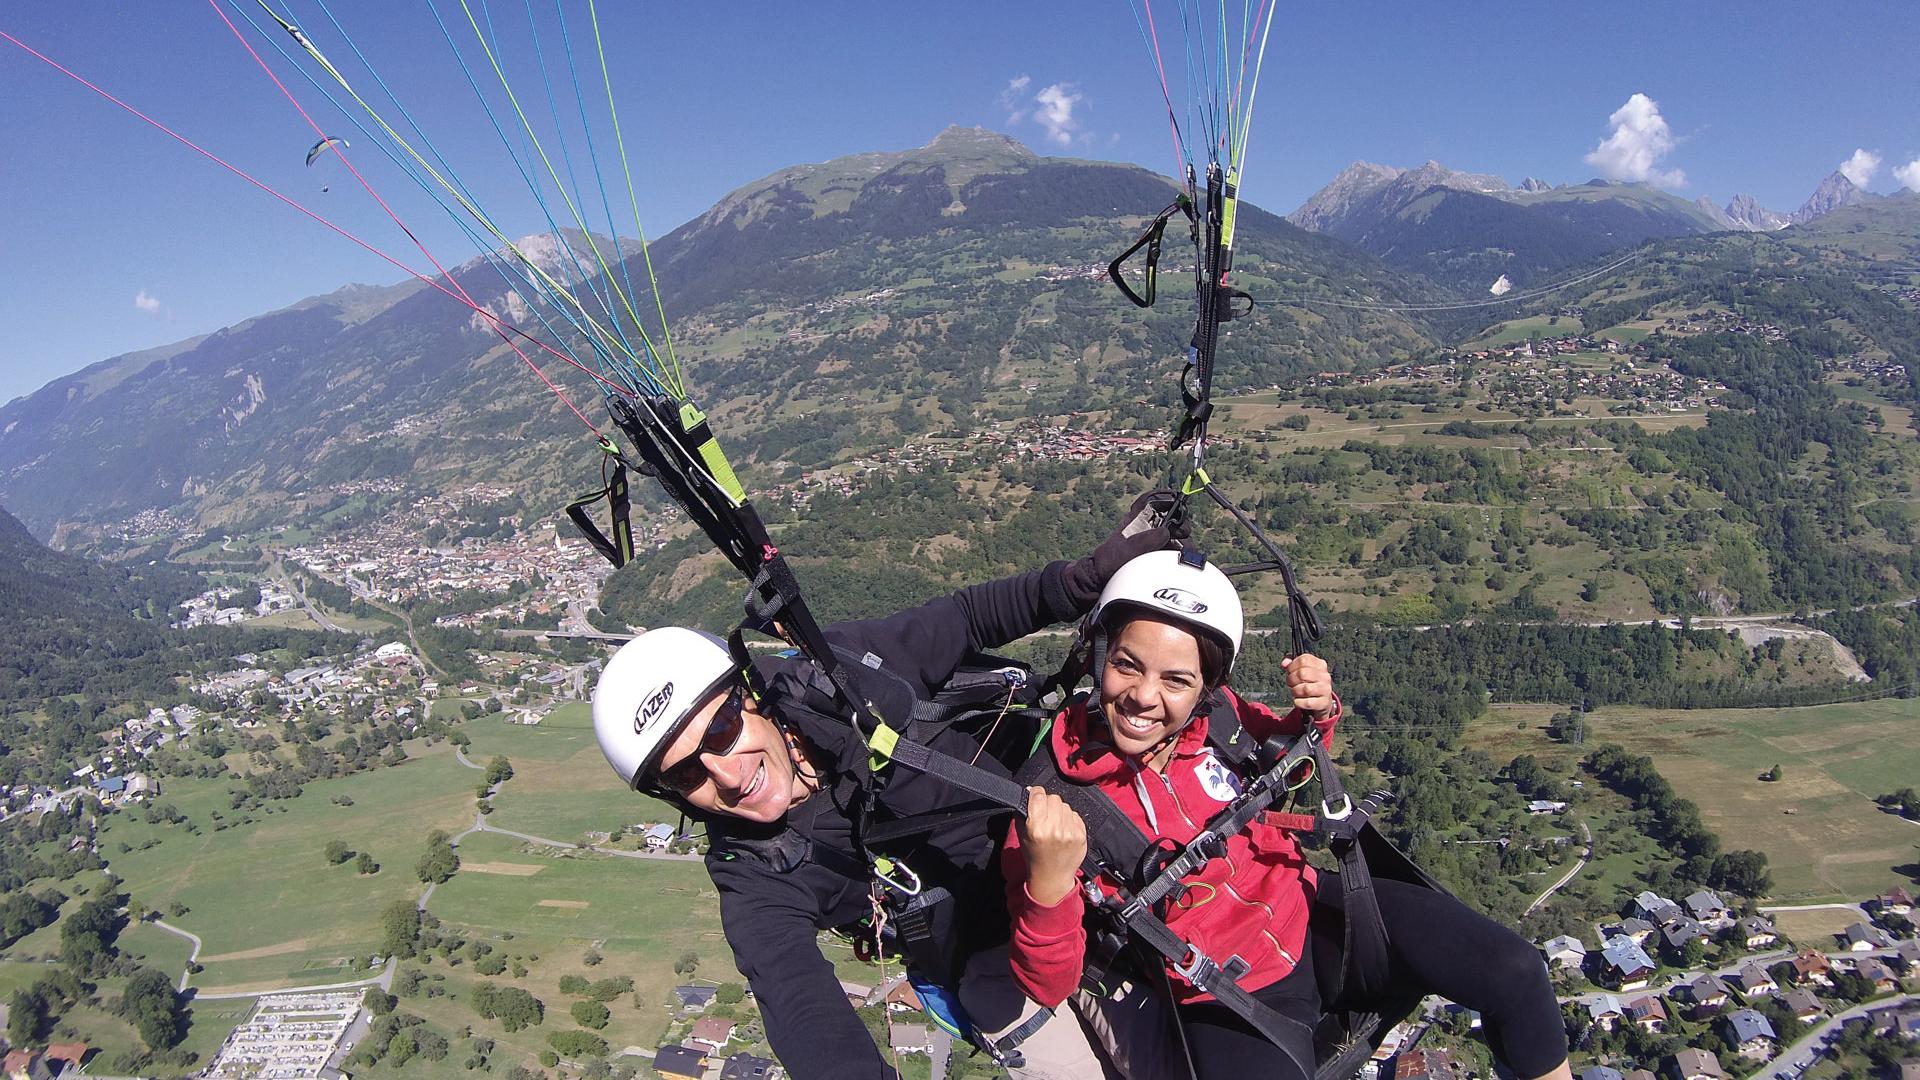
(1123, 1036)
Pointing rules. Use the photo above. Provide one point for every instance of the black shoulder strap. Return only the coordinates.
(1226, 735)
(617, 549)
(1115, 845)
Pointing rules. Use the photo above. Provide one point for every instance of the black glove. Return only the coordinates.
(1150, 525)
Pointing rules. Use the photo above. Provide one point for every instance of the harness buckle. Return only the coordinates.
(1196, 967)
(1345, 811)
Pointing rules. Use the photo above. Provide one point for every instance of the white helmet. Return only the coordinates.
(1180, 586)
(649, 688)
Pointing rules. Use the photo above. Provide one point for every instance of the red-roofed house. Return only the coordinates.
(710, 1033)
(69, 1054)
(1811, 966)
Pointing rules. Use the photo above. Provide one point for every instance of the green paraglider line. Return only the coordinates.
(509, 273)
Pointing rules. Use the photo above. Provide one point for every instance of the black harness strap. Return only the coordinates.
(617, 549)
(1150, 239)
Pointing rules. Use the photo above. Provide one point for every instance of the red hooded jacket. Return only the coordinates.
(1251, 903)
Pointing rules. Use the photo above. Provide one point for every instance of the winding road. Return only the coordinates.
(1585, 854)
(192, 938)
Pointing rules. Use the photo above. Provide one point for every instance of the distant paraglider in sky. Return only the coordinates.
(321, 147)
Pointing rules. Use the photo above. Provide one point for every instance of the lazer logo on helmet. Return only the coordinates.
(651, 709)
(1180, 598)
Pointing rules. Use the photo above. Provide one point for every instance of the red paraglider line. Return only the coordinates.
(498, 325)
(395, 218)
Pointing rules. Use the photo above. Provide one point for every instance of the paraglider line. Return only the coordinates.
(498, 324)
(451, 280)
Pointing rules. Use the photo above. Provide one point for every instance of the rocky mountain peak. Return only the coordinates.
(1719, 216)
(1833, 193)
(1746, 213)
(1534, 185)
(1364, 190)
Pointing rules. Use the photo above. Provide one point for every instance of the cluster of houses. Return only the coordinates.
(696, 1054)
(385, 677)
(1624, 961)
(1728, 1001)
(386, 560)
(56, 1062)
(1881, 369)
(210, 608)
(1512, 377)
(1007, 441)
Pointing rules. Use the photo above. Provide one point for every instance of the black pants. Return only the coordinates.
(1435, 943)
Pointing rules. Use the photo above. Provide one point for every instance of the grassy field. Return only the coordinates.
(1835, 759)
(1814, 928)
(1547, 326)
(561, 786)
(641, 915)
(269, 910)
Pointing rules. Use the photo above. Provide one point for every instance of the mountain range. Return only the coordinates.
(824, 308)
(1467, 229)
(965, 278)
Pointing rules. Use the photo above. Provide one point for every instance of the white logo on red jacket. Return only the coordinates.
(1219, 781)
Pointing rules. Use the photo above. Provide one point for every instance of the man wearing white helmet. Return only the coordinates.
(777, 782)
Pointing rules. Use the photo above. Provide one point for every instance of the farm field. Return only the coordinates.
(1834, 759)
(561, 787)
(641, 915)
(270, 911)
(1815, 928)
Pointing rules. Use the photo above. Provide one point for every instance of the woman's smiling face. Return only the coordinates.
(1152, 684)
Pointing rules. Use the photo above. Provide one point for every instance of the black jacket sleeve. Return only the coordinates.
(769, 921)
(928, 642)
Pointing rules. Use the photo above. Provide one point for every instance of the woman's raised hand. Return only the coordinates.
(1310, 683)
(1054, 840)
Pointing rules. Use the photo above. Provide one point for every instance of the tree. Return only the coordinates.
(591, 957)
(578, 1044)
(1771, 775)
(400, 929)
(440, 862)
(87, 936)
(379, 1002)
(730, 993)
(363, 863)
(590, 1014)
(608, 989)
(499, 770)
(150, 1003)
(28, 1018)
(337, 852)
(402, 1048)
(687, 963)
(1742, 872)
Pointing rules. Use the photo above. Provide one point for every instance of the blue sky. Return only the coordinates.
(121, 239)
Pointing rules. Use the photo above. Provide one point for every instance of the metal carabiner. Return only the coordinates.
(884, 869)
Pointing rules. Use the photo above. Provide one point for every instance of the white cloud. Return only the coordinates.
(1909, 174)
(1055, 113)
(1014, 98)
(1639, 140)
(1860, 167)
(147, 302)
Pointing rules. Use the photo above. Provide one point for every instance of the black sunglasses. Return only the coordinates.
(684, 777)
